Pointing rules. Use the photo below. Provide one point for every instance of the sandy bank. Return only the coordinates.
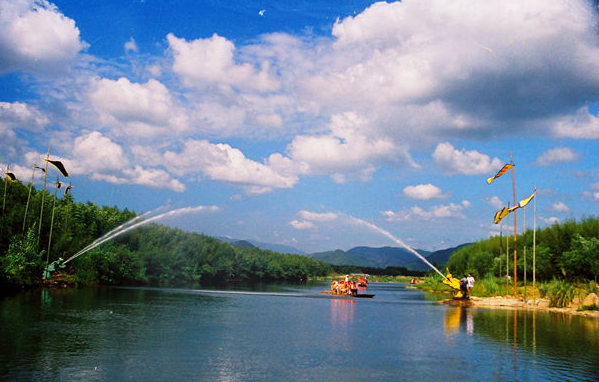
(498, 302)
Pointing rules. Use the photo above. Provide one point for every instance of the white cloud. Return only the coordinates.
(451, 210)
(453, 161)
(557, 155)
(317, 216)
(131, 46)
(581, 125)
(345, 150)
(423, 192)
(36, 37)
(594, 193)
(225, 163)
(302, 224)
(550, 220)
(138, 110)
(495, 202)
(210, 62)
(94, 152)
(559, 207)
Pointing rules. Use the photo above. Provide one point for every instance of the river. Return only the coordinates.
(283, 333)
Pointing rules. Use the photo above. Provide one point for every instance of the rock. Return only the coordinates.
(590, 300)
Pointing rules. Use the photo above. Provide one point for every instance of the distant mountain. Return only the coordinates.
(385, 257)
(281, 248)
(437, 258)
(369, 257)
(243, 244)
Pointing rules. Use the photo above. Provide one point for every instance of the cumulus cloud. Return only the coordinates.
(307, 219)
(36, 37)
(210, 62)
(495, 202)
(345, 150)
(453, 161)
(225, 163)
(593, 194)
(138, 110)
(131, 46)
(559, 207)
(451, 210)
(423, 192)
(581, 125)
(557, 155)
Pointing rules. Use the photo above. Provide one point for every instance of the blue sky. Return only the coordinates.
(287, 118)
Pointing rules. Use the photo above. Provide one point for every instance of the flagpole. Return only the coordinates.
(52, 220)
(28, 197)
(507, 254)
(524, 237)
(39, 228)
(534, 252)
(515, 228)
(4, 199)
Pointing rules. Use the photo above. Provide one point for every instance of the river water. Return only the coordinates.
(283, 333)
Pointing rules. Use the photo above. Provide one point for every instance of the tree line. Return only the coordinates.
(568, 251)
(148, 255)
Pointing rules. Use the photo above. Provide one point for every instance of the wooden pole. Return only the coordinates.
(28, 198)
(4, 199)
(515, 228)
(523, 235)
(534, 249)
(39, 228)
(52, 221)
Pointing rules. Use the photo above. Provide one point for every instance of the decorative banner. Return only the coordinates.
(58, 164)
(66, 190)
(501, 172)
(501, 214)
(11, 176)
(41, 168)
(58, 185)
(524, 202)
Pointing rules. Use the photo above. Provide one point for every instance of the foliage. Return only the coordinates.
(152, 254)
(567, 251)
(22, 266)
(560, 293)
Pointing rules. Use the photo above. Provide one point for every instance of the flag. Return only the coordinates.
(58, 185)
(503, 170)
(524, 202)
(58, 164)
(11, 176)
(66, 190)
(501, 214)
(41, 168)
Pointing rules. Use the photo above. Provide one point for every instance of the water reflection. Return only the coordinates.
(342, 313)
(458, 319)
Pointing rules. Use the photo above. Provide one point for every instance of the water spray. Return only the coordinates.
(134, 223)
(390, 236)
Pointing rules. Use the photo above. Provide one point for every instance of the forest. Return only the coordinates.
(148, 255)
(566, 251)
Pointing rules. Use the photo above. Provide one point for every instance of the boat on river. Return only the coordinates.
(359, 295)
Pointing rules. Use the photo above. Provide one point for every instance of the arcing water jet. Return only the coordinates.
(134, 223)
(390, 236)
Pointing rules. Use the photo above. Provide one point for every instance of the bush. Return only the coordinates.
(560, 293)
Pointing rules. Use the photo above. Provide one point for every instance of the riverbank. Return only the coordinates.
(499, 302)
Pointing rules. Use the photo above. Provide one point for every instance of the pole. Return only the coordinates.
(4, 199)
(52, 222)
(28, 198)
(524, 237)
(515, 228)
(39, 228)
(507, 255)
(534, 248)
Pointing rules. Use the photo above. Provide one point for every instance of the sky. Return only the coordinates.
(283, 121)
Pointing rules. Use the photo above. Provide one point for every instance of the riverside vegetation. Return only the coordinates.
(567, 264)
(149, 255)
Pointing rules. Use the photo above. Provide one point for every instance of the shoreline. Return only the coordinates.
(512, 303)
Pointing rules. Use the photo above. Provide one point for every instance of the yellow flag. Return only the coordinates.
(524, 202)
(503, 170)
(11, 176)
(501, 214)
(58, 164)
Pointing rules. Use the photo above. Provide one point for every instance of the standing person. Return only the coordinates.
(464, 287)
(470, 283)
